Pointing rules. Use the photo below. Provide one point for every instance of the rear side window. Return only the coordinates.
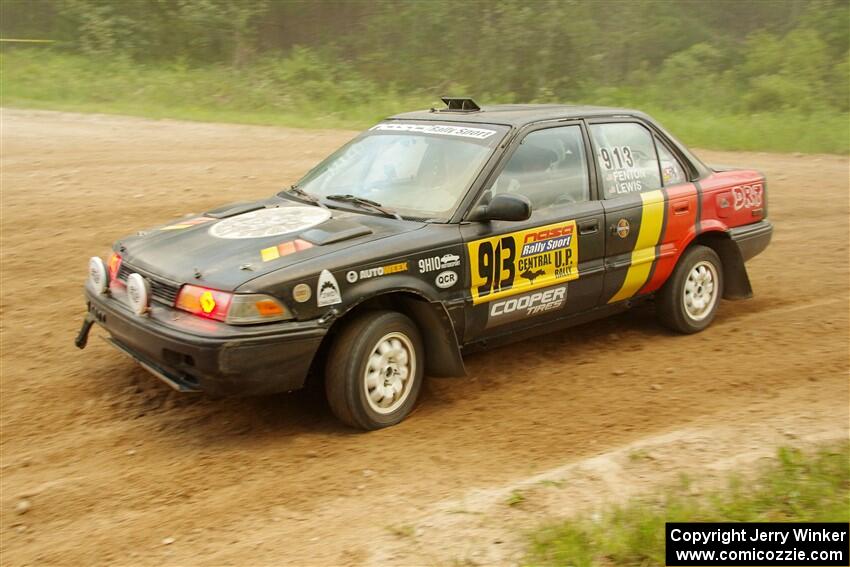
(626, 156)
(548, 167)
(672, 172)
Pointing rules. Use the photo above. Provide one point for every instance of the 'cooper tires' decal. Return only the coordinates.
(522, 261)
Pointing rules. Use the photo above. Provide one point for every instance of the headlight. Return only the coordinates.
(97, 275)
(256, 308)
(209, 303)
(234, 309)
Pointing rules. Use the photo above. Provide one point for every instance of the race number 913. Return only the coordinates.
(496, 265)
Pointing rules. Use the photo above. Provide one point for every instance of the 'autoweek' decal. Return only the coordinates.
(522, 261)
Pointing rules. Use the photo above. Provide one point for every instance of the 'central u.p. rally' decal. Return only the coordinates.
(520, 261)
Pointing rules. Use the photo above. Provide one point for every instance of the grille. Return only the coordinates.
(162, 291)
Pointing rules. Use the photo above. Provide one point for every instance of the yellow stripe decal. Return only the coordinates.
(651, 221)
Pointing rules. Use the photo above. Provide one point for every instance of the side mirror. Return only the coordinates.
(504, 207)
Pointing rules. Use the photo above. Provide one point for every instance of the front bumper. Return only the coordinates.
(752, 239)
(194, 354)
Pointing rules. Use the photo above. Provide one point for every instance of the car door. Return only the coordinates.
(650, 205)
(526, 273)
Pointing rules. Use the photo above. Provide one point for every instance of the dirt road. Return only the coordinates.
(112, 463)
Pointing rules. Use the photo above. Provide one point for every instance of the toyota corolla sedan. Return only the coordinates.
(431, 234)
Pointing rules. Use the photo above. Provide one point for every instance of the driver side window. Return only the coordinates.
(548, 167)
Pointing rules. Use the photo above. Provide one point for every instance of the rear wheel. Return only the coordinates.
(375, 370)
(688, 301)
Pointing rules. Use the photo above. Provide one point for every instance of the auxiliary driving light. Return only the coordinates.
(97, 275)
(138, 293)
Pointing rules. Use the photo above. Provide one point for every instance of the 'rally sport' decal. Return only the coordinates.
(521, 261)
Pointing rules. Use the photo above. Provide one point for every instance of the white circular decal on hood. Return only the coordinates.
(270, 222)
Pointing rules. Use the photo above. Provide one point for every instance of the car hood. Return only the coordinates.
(229, 246)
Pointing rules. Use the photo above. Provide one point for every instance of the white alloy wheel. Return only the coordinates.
(699, 293)
(390, 373)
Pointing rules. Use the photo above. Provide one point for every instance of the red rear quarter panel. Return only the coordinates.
(723, 200)
(733, 198)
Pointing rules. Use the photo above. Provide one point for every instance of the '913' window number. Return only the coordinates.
(617, 157)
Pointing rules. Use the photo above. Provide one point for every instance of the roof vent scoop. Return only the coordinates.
(459, 104)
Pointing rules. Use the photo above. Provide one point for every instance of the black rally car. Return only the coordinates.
(430, 234)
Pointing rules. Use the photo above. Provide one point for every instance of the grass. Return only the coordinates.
(797, 487)
(515, 498)
(285, 92)
(305, 91)
(823, 132)
(553, 483)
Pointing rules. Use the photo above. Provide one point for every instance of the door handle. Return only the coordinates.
(588, 227)
(681, 208)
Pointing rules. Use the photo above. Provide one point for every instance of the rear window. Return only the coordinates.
(625, 152)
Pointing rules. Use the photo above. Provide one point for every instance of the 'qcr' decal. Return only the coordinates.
(524, 260)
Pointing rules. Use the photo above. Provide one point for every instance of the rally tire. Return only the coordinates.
(688, 301)
(372, 357)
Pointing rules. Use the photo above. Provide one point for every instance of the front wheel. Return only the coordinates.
(688, 301)
(375, 370)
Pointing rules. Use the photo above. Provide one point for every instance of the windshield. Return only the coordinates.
(419, 169)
